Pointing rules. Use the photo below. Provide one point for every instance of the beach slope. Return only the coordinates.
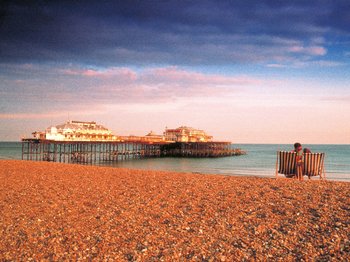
(52, 211)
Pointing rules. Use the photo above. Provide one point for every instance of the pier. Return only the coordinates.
(200, 149)
(95, 152)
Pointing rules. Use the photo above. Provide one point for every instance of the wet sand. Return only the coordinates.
(52, 211)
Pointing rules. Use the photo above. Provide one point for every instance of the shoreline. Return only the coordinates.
(259, 162)
(268, 173)
(66, 211)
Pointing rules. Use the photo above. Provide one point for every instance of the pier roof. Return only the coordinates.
(80, 125)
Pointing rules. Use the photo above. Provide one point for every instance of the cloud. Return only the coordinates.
(32, 116)
(308, 64)
(211, 32)
(122, 74)
(325, 63)
(311, 50)
(51, 114)
(174, 75)
(276, 65)
(158, 84)
(29, 89)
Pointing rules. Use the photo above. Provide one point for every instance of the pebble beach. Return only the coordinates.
(59, 212)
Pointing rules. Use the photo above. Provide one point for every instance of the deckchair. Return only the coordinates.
(313, 164)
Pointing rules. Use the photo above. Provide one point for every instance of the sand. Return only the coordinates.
(52, 211)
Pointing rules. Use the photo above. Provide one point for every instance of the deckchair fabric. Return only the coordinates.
(313, 164)
(287, 163)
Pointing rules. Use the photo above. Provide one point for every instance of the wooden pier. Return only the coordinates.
(94, 152)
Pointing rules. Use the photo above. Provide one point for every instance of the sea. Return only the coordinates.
(260, 161)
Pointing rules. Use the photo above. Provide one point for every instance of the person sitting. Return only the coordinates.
(306, 150)
(298, 149)
(297, 146)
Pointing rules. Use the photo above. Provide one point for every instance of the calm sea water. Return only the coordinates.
(259, 161)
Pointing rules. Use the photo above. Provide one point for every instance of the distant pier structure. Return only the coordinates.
(89, 143)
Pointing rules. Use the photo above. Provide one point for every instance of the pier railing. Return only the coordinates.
(93, 152)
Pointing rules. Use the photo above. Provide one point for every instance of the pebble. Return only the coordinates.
(99, 213)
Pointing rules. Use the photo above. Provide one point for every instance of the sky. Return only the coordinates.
(251, 71)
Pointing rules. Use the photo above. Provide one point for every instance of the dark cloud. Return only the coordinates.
(105, 33)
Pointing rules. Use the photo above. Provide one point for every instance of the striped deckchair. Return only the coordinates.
(313, 164)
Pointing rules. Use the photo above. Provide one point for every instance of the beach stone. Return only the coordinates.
(64, 212)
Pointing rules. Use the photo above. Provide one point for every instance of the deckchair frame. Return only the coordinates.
(313, 164)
